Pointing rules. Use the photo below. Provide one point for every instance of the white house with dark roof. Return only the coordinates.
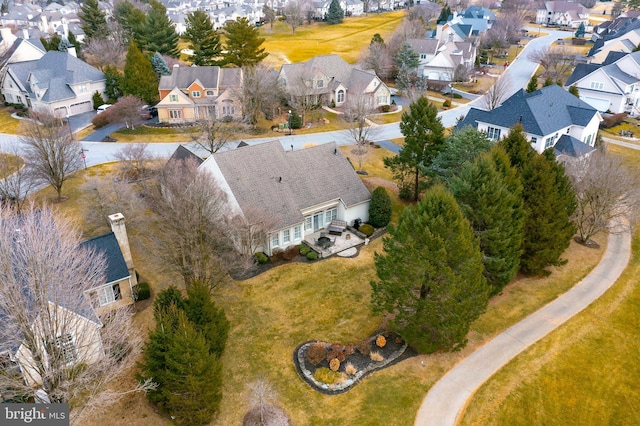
(302, 191)
(562, 12)
(57, 82)
(15, 49)
(195, 93)
(612, 86)
(328, 78)
(551, 118)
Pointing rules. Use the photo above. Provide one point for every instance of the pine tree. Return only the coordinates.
(377, 38)
(5, 7)
(160, 66)
(445, 12)
(243, 45)
(430, 280)
(517, 148)
(532, 86)
(139, 79)
(165, 299)
(335, 15)
(547, 82)
(573, 89)
(112, 83)
(132, 20)
(159, 33)
(380, 208)
(97, 99)
(209, 320)
(203, 39)
(93, 20)
(460, 149)
(490, 197)
(581, 30)
(424, 138)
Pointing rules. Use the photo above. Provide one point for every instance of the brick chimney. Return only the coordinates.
(120, 230)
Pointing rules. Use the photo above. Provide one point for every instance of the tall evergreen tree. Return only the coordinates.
(132, 20)
(430, 280)
(243, 44)
(93, 21)
(380, 208)
(159, 33)
(203, 39)
(209, 320)
(490, 197)
(160, 66)
(532, 86)
(424, 138)
(517, 148)
(459, 150)
(335, 15)
(112, 83)
(445, 12)
(139, 79)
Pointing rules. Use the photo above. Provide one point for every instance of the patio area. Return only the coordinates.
(327, 245)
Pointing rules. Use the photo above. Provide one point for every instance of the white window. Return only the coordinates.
(286, 236)
(534, 141)
(228, 110)
(331, 215)
(423, 56)
(82, 88)
(196, 94)
(297, 232)
(210, 93)
(548, 143)
(67, 348)
(275, 240)
(382, 99)
(108, 294)
(173, 98)
(320, 83)
(588, 140)
(340, 96)
(493, 133)
(308, 225)
(175, 113)
(597, 85)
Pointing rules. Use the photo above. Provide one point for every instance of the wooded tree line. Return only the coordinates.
(485, 211)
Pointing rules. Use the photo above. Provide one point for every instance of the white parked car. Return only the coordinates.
(102, 108)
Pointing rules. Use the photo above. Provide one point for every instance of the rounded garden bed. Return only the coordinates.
(333, 368)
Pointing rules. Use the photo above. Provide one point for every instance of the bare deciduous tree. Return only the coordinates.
(522, 9)
(106, 196)
(249, 232)
(128, 111)
(376, 57)
(294, 12)
(497, 93)
(261, 394)
(259, 93)
(15, 180)
(101, 52)
(212, 134)
(361, 130)
(65, 352)
(606, 190)
(192, 235)
(556, 61)
(134, 159)
(300, 99)
(52, 156)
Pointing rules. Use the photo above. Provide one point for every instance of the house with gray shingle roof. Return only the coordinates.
(439, 59)
(302, 191)
(57, 82)
(549, 116)
(196, 93)
(562, 12)
(328, 78)
(611, 86)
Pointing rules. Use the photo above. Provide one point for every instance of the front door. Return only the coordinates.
(318, 222)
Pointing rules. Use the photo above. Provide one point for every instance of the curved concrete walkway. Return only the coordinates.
(447, 398)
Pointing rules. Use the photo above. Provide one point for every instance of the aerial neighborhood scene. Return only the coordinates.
(331, 212)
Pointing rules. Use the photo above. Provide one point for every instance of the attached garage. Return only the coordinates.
(81, 107)
(600, 104)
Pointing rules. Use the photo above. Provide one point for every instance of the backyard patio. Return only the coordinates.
(326, 244)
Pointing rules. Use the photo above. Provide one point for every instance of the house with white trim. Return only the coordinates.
(562, 12)
(551, 117)
(612, 86)
(439, 59)
(302, 191)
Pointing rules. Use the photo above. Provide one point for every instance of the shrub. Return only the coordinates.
(612, 120)
(101, 120)
(277, 255)
(364, 347)
(350, 369)
(304, 250)
(457, 96)
(380, 208)
(332, 104)
(324, 375)
(316, 353)
(366, 229)
(312, 255)
(296, 120)
(446, 104)
(340, 352)
(261, 258)
(376, 356)
(97, 99)
(334, 364)
(385, 108)
(381, 341)
(143, 291)
(291, 252)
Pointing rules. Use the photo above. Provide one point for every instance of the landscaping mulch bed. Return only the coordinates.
(394, 351)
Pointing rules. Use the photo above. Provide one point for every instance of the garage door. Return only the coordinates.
(598, 103)
(81, 107)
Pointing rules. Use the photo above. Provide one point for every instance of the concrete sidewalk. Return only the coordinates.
(446, 399)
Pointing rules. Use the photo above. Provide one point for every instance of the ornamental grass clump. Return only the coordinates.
(334, 364)
(376, 356)
(350, 369)
(381, 341)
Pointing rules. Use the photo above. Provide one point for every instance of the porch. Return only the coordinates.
(327, 245)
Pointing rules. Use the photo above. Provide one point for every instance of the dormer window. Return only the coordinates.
(173, 98)
(320, 83)
(196, 94)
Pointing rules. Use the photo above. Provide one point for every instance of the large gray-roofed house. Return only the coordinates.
(58, 82)
(545, 115)
(302, 191)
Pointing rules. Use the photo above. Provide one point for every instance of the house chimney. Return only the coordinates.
(120, 231)
(71, 50)
(25, 33)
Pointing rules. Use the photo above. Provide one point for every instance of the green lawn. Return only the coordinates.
(584, 373)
